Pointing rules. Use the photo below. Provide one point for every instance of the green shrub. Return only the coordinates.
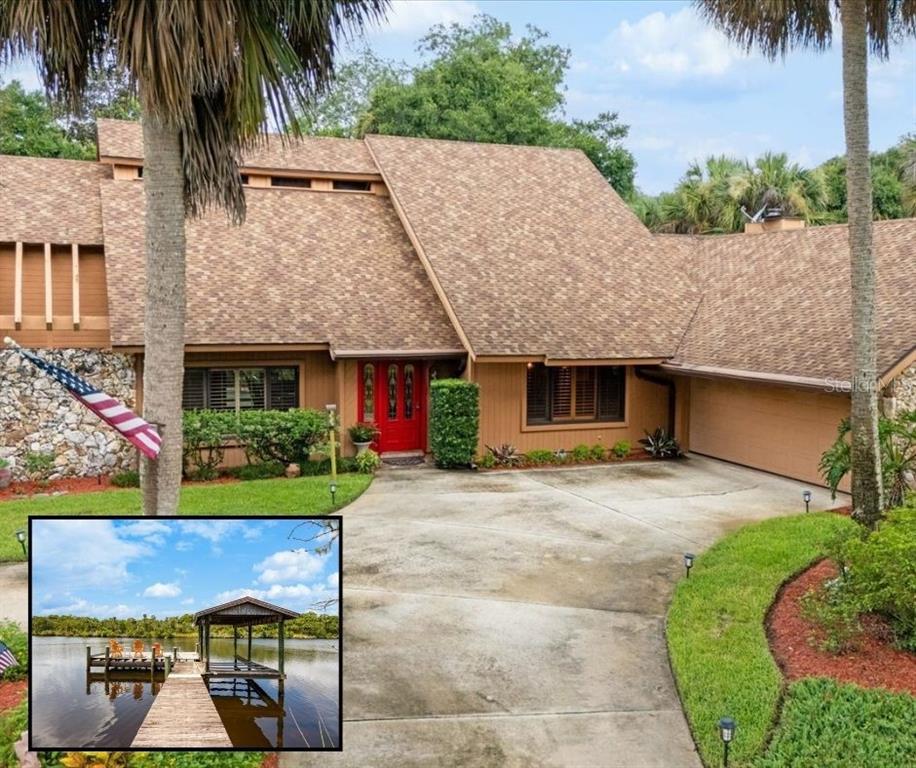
(12, 723)
(487, 461)
(127, 479)
(196, 760)
(285, 436)
(837, 617)
(368, 462)
(582, 452)
(540, 456)
(598, 452)
(897, 438)
(882, 572)
(363, 432)
(261, 471)
(204, 434)
(454, 421)
(345, 464)
(660, 445)
(4, 463)
(621, 449)
(504, 455)
(38, 466)
(18, 643)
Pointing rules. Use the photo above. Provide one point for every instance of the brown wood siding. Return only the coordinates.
(94, 325)
(778, 429)
(502, 417)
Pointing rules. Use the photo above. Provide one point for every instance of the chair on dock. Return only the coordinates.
(116, 650)
(138, 649)
(157, 651)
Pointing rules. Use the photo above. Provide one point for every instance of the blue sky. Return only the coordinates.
(683, 89)
(124, 568)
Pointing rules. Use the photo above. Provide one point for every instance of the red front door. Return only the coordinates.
(393, 397)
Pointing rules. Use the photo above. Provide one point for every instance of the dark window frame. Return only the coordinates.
(546, 395)
(269, 396)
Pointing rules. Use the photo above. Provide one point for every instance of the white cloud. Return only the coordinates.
(215, 531)
(289, 566)
(295, 592)
(160, 589)
(672, 47)
(188, 601)
(184, 545)
(410, 17)
(103, 554)
(334, 580)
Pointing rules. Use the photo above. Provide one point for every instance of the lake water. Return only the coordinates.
(69, 711)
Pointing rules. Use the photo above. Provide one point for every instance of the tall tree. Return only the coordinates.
(480, 83)
(28, 126)
(207, 76)
(776, 26)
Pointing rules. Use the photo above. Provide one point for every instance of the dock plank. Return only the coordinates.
(183, 715)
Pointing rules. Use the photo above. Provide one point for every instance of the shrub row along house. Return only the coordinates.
(367, 268)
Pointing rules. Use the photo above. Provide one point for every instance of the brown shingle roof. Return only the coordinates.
(779, 303)
(535, 252)
(124, 139)
(305, 267)
(50, 201)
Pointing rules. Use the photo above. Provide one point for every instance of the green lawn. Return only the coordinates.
(716, 637)
(825, 724)
(301, 496)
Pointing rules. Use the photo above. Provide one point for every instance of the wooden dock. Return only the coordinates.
(182, 715)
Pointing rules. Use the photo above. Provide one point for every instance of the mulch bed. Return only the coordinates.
(11, 694)
(635, 456)
(874, 663)
(271, 761)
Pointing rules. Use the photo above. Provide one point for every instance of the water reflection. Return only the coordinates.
(74, 710)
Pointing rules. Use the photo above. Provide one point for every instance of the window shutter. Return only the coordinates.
(611, 393)
(585, 393)
(195, 389)
(252, 395)
(561, 396)
(283, 388)
(221, 390)
(537, 394)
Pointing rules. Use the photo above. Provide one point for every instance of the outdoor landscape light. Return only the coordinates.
(727, 733)
(20, 537)
(806, 495)
(333, 491)
(688, 562)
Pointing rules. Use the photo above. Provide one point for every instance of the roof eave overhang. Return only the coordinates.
(709, 371)
(905, 361)
(571, 361)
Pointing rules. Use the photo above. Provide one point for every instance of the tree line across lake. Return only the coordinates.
(308, 625)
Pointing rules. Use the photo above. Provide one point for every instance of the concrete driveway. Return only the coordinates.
(517, 618)
(14, 593)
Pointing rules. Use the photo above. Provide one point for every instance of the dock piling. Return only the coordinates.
(168, 665)
(107, 658)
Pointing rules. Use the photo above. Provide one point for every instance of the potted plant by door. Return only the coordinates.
(362, 435)
(6, 474)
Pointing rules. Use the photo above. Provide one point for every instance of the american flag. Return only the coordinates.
(7, 659)
(140, 432)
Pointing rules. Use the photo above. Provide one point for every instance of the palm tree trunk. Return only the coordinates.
(866, 473)
(163, 369)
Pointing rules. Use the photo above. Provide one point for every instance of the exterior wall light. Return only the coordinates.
(806, 495)
(20, 537)
(726, 733)
(688, 562)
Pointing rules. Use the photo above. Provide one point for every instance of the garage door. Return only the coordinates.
(777, 429)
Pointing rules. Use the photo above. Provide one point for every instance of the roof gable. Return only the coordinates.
(535, 253)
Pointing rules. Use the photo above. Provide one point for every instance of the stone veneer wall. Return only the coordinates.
(37, 414)
(904, 390)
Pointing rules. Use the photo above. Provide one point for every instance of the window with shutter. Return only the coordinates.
(221, 390)
(537, 395)
(282, 388)
(611, 393)
(195, 389)
(574, 394)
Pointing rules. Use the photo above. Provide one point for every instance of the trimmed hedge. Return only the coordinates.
(454, 422)
(286, 437)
